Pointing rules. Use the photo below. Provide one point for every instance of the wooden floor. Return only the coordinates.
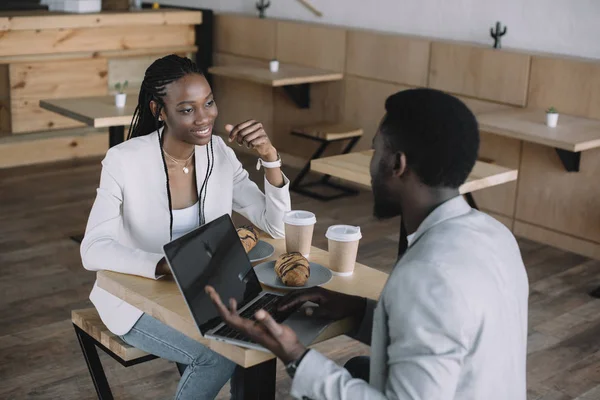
(41, 280)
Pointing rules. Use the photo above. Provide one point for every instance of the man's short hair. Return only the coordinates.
(437, 132)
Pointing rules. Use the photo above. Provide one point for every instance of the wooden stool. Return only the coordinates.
(91, 332)
(325, 133)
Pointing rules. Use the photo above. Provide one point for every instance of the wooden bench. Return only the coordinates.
(325, 133)
(92, 333)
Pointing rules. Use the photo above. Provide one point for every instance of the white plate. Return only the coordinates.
(319, 275)
(261, 251)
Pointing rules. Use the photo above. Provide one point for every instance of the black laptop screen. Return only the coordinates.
(212, 255)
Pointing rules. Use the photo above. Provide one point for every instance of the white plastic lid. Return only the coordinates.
(343, 233)
(300, 218)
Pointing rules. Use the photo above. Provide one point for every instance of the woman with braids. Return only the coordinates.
(169, 177)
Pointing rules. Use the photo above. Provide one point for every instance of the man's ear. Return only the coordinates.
(399, 167)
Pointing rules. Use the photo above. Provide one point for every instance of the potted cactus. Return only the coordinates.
(551, 117)
(121, 96)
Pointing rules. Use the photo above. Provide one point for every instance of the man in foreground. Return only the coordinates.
(451, 322)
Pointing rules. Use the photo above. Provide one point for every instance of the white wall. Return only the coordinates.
(556, 26)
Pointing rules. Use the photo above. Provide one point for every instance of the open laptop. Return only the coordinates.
(214, 255)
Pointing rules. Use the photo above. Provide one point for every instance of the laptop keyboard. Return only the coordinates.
(268, 302)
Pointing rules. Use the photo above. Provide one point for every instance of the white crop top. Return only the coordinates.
(185, 220)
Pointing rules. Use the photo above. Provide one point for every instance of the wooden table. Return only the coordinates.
(98, 112)
(163, 300)
(354, 167)
(294, 79)
(571, 136)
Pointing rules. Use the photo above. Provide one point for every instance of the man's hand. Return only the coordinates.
(332, 305)
(279, 339)
(162, 268)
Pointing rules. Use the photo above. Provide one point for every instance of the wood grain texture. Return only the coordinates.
(354, 167)
(364, 102)
(570, 85)
(480, 72)
(550, 197)
(42, 281)
(287, 75)
(245, 36)
(58, 79)
(388, 57)
(27, 116)
(572, 133)
(98, 20)
(110, 54)
(297, 44)
(98, 111)
(53, 41)
(163, 300)
(89, 321)
(24, 150)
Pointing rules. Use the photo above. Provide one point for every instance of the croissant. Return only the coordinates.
(293, 269)
(249, 237)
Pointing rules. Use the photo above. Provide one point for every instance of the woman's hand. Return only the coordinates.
(252, 134)
(162, 268)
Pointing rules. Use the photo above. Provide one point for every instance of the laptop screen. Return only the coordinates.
(212, 255)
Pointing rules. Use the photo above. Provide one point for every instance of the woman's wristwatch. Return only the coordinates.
(293, 366)
(269, 164)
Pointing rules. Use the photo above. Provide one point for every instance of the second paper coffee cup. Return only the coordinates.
(343, 248)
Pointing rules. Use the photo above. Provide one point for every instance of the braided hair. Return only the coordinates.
(158, 75)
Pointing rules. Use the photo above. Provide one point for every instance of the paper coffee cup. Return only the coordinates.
(274, 66)
(299, 227)
(343, 248)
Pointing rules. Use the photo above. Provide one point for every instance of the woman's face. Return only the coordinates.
(190, 110)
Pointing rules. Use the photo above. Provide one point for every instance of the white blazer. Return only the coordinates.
(129, 221)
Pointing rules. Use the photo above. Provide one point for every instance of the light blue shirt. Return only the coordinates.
(451, 322)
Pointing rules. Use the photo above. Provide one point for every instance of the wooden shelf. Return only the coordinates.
(354, 167)
(571, 136)
(99, 112)
(572, 133)
(287, 74)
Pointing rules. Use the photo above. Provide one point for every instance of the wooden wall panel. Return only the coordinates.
(32, 82)
(550, 197)
(27, 116)
(326, 100)
(58, 79)
(570, 85)
(387, 57)
(21, 151)
(245, 36)
(82, 39)
(507, 153)
(315, 46)
(480, 72)
(365, 105)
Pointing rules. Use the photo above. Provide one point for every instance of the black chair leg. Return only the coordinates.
(90, 353)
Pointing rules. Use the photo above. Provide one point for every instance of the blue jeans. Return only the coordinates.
(206, 371)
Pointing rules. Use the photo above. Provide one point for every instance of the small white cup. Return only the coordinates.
(551, 119)
(120, 99)
(274, 66)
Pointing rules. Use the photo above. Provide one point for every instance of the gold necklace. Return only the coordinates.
(186, 170)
